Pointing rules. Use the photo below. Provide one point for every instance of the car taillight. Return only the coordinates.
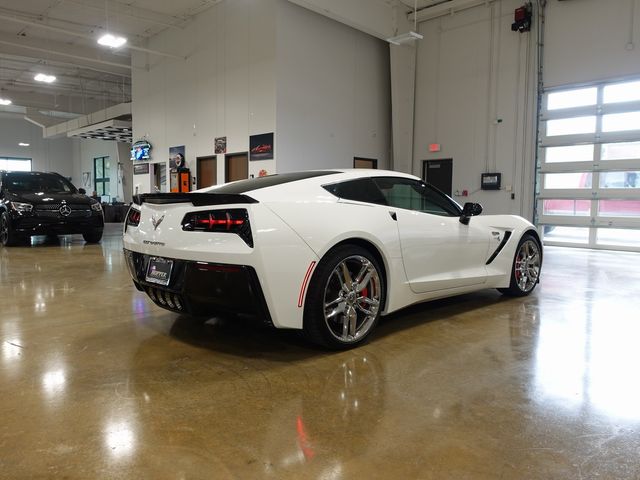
(133, 217)
(234, 220)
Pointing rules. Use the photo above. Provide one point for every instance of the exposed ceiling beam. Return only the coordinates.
(447, 8)
(62, 76)
(142, 14)
(60, 103)
(72, 33)
(51, 50)
(71, 90)
(59, 64)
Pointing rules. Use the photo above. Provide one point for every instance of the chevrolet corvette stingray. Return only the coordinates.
(327, 252)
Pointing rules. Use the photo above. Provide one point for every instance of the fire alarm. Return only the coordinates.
(522, 18)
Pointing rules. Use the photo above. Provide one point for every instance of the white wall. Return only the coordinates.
(51, 155)
(591, 40)
(475, 88)
(332, 100)
(226, 87)
(333, 93)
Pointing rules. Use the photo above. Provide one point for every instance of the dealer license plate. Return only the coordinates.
(159, 270)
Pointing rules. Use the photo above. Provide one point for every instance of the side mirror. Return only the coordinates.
(470, 210)
(82, 191)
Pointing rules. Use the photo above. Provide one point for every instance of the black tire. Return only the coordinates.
(357, 306)
(93, 237)
(525, 277)
(8, 236)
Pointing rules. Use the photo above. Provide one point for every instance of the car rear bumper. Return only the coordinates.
(202, 288)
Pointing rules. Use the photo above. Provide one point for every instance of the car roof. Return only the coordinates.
(309, 177)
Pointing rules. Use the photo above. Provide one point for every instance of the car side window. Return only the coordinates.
(415, 195)
(360, 190)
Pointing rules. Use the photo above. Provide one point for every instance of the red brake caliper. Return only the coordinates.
(365, 293)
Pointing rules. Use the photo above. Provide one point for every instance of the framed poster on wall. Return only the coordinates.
(220, 145)
(261, 147)
(176, 157)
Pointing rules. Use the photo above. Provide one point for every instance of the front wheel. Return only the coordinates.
(8, 236)
(93, 237)
(345, 298)
(525, 273)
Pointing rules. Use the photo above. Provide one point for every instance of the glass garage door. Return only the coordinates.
(588, 189)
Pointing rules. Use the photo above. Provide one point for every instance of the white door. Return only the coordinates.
(438, 251)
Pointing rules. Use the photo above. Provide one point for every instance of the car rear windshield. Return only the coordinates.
(244, 186)
(37, 182)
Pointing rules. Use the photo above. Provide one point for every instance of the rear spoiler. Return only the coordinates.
(197, 199)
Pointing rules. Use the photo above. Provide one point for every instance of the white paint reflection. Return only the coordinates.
(54, 382)
(120, 438)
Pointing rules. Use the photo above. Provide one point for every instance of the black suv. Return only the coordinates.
(38, 203)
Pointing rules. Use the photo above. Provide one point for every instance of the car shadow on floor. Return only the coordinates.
(244, 336)
(249, 337)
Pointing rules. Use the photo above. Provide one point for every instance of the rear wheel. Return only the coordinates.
(93, 237)
(525, 273)
(8, 236)
(345, 298)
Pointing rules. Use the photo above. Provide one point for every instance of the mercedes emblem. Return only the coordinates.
(65, 210)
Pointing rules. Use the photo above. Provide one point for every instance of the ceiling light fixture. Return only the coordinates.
(411, 36)
(22, 144)
(112, 41)
(43, 77)
(405, 38)
(5, 101)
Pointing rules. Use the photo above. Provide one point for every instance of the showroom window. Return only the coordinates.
(588, 189)
(101, 176)
(15, 164)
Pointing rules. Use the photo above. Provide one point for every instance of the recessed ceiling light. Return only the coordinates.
(22, 144)
(112, 41)
(43, 77)
(5, 101)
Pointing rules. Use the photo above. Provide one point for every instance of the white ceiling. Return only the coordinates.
(58, 37)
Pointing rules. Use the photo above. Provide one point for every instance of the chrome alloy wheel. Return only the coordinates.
(352, 298)
(527, 265)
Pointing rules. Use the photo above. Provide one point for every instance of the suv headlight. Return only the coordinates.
(96, 207)
(21, 207)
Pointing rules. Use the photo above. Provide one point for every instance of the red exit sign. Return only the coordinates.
(434, 147)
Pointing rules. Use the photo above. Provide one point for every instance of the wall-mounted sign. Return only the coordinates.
(220, 145)
(141, 169)
(141, 150)
(261, 147)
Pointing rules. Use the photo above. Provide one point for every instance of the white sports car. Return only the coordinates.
(327, 252)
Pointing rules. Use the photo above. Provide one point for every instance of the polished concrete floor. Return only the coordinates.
(96, 382)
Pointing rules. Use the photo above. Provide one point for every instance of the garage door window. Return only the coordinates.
(588, 190)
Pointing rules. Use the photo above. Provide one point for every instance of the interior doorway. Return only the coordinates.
(439, 173)
(236, 167)
(207, 171)
(359, 162)
(160, 177)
